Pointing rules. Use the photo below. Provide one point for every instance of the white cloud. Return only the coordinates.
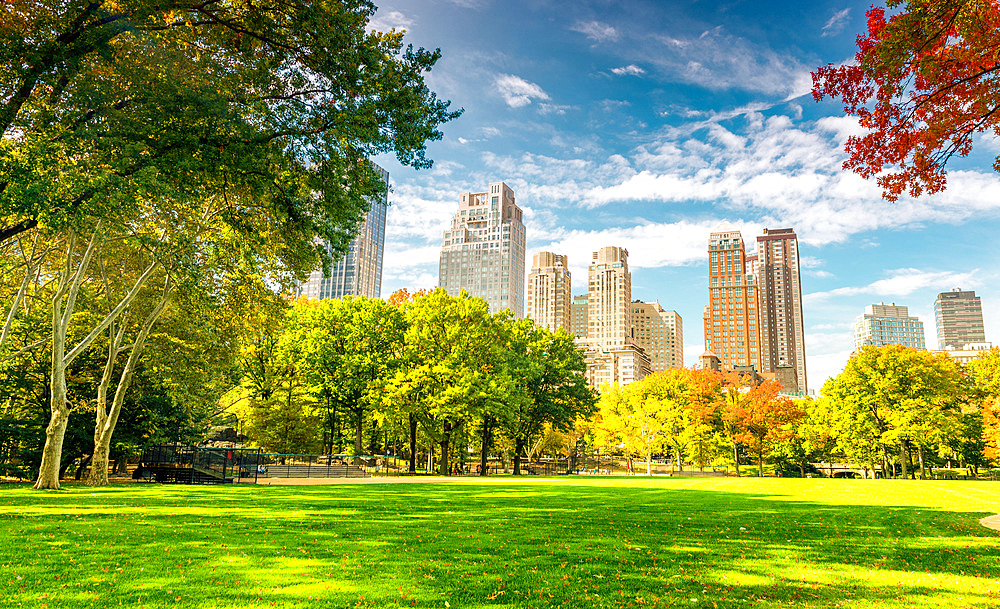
(785, 174)
(810, 262)
(819, 273)
(596, 31)
(901, 282)
(544, 109)
(518, 92)
(645, 243)
(629, 70)
(473, 4)
(836, 23)
(389, 20)
(718, 60)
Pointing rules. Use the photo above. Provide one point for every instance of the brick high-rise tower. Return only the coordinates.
(779, 310)
(730, 318)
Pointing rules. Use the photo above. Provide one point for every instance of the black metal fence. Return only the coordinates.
(186, 464)
(274, 465)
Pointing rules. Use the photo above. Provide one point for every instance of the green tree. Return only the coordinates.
(452, 371)
(204, 133)
(984, 375)
(347, 349)
(635, 417)
(549, 387)
(809, 439)
(893, 397)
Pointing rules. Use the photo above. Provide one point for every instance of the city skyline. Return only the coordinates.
(646, 124)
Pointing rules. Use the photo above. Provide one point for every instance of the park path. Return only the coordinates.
(383, 480)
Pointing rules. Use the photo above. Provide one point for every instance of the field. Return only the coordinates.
(611, 542)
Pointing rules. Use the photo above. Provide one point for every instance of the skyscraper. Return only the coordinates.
(730, 319)
(609, 316)
(660, 333)
(959, 317)
(888, 324)
(782, 334)
(549, 292)
(483, 251)
(580, 316)
(359, 271)
(611, 353)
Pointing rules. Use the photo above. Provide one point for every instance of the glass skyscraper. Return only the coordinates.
(359, 271)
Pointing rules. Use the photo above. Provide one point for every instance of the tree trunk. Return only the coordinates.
(413, 444)
(760, 465)
(48, 472)
(106, 421)
(518, 447)
(649, 463)
(902, 458)
(484, 452)
(680, 463)
(445, 444)
(736, 457)
(62, 312)
(802, 470)
(358, 428)
(99, 468)
(83, 466)
(920, 455)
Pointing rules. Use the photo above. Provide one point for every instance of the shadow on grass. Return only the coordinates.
(489, 545)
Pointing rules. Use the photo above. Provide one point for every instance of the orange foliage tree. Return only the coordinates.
(984, 372)
(924, 82)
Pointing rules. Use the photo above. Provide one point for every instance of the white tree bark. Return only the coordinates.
(31, 263)
(63, 307)
(107, 419)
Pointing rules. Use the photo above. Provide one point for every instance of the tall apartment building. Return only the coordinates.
(959, 317)
(549, 292)
(779, 306)
(888, 324)
(612, 355)
(609, 298)
(483, 250)
(730, 319)
(660, 333)
(579, 316)
(359, 271)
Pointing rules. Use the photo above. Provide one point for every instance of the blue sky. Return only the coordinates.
(644, 124)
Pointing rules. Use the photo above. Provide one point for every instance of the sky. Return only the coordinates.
(645, 124)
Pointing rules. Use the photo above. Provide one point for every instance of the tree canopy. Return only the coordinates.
(924, 82)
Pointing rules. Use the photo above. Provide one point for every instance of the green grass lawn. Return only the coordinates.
(609, 542)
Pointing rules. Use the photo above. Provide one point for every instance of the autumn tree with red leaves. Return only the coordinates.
(924, 82)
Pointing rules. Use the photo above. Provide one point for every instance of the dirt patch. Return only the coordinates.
(991, 522)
